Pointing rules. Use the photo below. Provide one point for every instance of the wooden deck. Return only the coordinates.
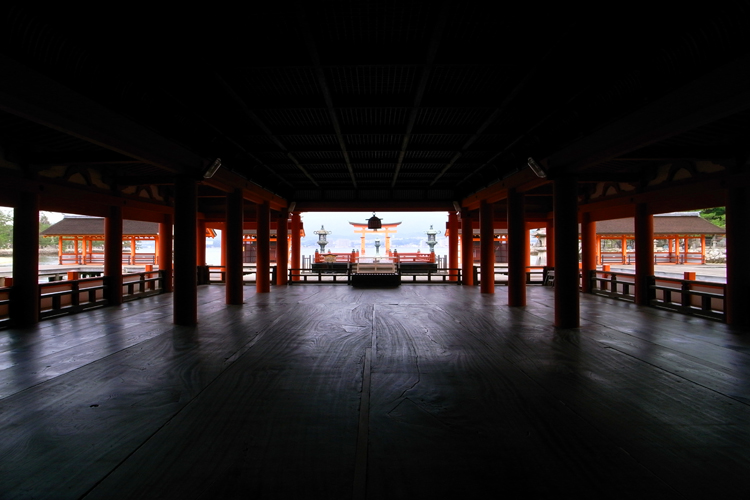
(413, 392)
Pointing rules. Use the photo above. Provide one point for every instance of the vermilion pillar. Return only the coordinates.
(644, 254)
(467, 249)
(588, 250)
(185, 278)
(24, 298)
(527, 245)
(233, 236)
(296, 229)
(565, 205)
(113, 255)
(738, 264)
(452, 243)
(550, 242)
(200, 242)
(486, 248)
(263, 242)
(282, 248)
(165, 251)
(223, 248)
(517, 249)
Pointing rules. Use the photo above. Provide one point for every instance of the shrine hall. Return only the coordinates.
(503, 118)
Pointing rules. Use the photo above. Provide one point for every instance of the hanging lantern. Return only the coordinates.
(373, 222)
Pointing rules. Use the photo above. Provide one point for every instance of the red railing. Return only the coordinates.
(335, 257)
(413, 257)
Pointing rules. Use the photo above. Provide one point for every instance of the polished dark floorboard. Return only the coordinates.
(327, 391)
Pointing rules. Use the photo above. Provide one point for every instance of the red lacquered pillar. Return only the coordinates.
(550, 242)
(233, 235)
(296, 229)
(165, 251)
(200, 242)
(565, 205)
(452, 243)
(517, 249)
(24, 297)
(113, 255)
(588, 251)
(263, 241)
(644, 254)
(467, 249)
(185, 278)
(282, 248)
(486, 248)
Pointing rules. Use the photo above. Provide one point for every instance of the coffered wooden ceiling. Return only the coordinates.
(381, 104)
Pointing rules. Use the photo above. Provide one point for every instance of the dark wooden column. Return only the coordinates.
(565, 205)
(113, 255)
(467, 249)
(588, 250)
(295, 240)
(738, 264)
(644, 254)
(550, 241)
(487, 247)
(282, 248)
(200, 242)
(24, 297)
(165, 252)
(185, 278)
(263, 242)
(452, 243)
(233, 235)
(517, 249)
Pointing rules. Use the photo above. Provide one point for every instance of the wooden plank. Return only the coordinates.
(264, 400)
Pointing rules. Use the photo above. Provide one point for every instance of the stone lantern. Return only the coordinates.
(431, 240)
(322, 241)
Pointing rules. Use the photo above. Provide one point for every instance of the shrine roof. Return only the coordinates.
(94, 226)
(664, 224)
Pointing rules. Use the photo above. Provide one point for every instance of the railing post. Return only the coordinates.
(605, 269)
(475, 274)
(686, 287)
(149, 269)
(75, 299)
(650, 292)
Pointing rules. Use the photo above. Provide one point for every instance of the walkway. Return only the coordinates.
(333, 392)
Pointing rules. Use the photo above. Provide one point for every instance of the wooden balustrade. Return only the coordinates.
(692, 297)
(4, 305)
(535, 275)
(614, 285)
(687, 296)
(142, 284)
(70, 297)
(440, 275)
(73, 296)
(297, 276)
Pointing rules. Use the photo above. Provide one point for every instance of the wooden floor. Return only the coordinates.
(327, 391)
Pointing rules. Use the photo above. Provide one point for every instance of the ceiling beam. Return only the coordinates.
(718, 94)
(522, 181)
(37, 98)
(103, 157)
(228, 181)
(437, 34)
(323, 84)
(260, 124)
